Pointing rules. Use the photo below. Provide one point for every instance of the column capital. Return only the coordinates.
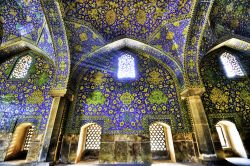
(57, 92)
(192, 92)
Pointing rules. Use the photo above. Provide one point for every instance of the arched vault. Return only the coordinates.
(134, 45)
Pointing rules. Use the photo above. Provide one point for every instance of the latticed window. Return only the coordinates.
(231, 65)
(126, 66)
(22, 67)
(157, 137)
(28, 138)
(93, 137)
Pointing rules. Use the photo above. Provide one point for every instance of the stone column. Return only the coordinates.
(51, 156)
(200, 123)
(56, 94)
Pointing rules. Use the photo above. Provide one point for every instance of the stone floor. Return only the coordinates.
(121, 164)
(229, 162)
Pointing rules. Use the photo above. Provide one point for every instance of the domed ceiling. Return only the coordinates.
(126, 18)
(172, 27)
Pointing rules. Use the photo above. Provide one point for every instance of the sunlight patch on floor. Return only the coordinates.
(238, 161)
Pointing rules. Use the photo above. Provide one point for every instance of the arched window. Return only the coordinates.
(231, 65)
(230, 139)
(157, 137)
(161, 142)
(93, 137)
(20, 143)
(126, 66)
(22, 67)
(89, 142)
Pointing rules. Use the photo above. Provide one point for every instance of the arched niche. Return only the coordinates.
(230, 138)
(155, 85)
(127, 43)
(82, 144)
(20, 142)
(161, 142)
(225, 97)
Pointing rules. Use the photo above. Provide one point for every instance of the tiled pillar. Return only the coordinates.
(200, 123)
(56, 94)
(53, 147)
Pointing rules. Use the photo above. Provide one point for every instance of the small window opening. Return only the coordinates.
(126, 66)
(231, 65)
(157, 137)
(90, 142)
(20, 143)
(22, 67)
(93, 137)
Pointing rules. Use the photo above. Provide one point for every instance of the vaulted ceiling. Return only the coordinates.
(228, 18)
(126, 18)
(172, 27)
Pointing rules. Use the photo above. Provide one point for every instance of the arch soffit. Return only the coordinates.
(25, 124)
(226, 123)
(172, 66)
(234, 43)
(53, 15)
(89, 124)
(200, 15)
(162, 124)
(17, 47)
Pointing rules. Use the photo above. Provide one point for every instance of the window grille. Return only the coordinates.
(126, 66)
(22, 67)
(28, 138)
(157, 137)
(231, 65)
(93, 137)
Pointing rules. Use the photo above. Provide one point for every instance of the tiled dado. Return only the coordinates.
(125, 149)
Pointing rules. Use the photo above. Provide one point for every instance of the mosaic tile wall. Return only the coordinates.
(21, 19)
(231, 17)
(26, 99)
(228, 18)
(127, 106)
(82, 41)
(171, 39)
(26, 20)
(135, 19)
(225, 98)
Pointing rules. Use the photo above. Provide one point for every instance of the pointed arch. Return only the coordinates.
(83, 142)
(19, 145)
(230, 138)
(134, 45)
(52, 11)
(164, 141)
(234, 43)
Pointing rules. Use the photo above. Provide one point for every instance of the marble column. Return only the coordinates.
(56, 94)
(200, 123)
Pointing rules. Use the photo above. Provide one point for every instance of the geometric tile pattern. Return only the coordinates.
(93, 139)
(157, 137)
